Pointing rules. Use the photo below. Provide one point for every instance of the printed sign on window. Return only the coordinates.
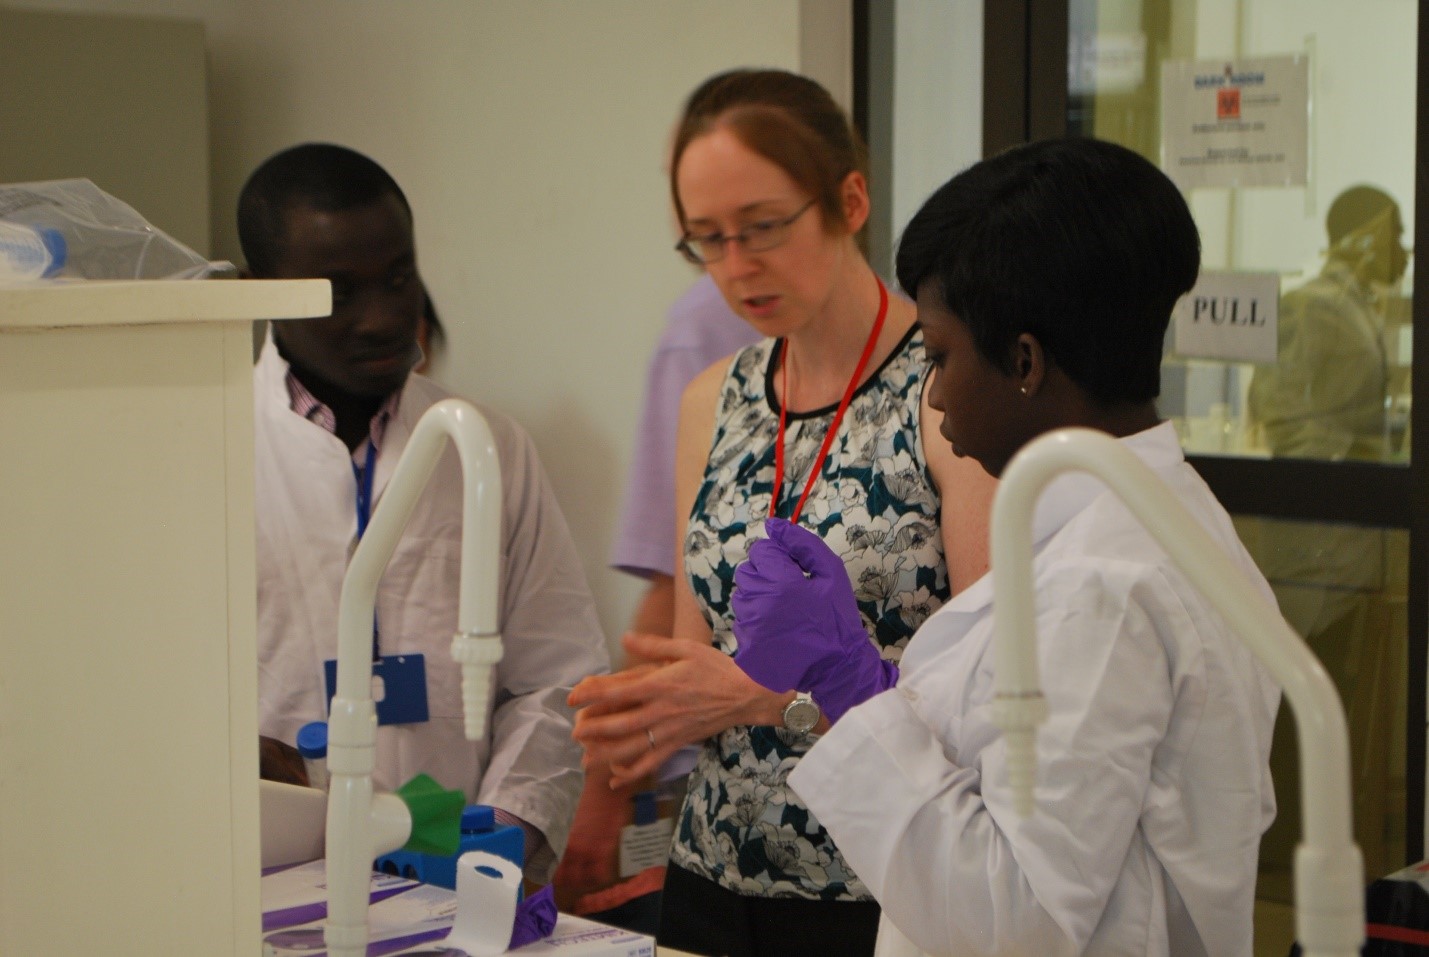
(1231, 316)
(1238, 123)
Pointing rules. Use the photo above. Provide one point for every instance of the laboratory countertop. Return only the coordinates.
(406, 917)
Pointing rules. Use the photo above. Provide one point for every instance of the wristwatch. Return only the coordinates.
(801, 714)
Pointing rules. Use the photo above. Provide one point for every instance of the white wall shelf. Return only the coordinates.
(128, 685)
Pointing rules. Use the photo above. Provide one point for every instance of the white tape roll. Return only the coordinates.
(486, 890)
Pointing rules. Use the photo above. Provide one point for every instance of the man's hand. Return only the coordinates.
(280, 762)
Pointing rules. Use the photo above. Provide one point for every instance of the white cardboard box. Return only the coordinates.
(412, 919)
(578, 937)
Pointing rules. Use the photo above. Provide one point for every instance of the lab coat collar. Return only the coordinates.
(1067, 495)
(308, 406)
(271, 369)
(271, 389)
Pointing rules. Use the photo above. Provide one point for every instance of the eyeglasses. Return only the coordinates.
(755, 238)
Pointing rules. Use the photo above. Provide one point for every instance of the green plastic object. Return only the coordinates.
(436, 816)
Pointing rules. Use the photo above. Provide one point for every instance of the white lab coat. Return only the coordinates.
(1153, 784)
(306, 523)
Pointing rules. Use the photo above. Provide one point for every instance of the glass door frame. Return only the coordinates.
(1025, 98)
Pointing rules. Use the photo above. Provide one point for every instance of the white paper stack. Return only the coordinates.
(409, 918)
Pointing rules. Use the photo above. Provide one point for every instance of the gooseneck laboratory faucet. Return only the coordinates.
(1329, 871)
(361, 825)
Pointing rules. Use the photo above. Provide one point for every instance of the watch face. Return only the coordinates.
(801, 714)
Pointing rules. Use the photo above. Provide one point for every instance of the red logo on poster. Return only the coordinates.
(1228, 103)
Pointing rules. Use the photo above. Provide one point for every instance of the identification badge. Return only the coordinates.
(399, 688)
(645, 843)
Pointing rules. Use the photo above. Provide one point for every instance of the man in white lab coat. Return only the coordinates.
(1045, 278)
(335, 403)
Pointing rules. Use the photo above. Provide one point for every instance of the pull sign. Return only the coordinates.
(1230, 316)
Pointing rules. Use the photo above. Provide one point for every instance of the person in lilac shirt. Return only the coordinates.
(700, 328)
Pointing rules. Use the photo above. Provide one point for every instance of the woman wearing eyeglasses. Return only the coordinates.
(823, 423)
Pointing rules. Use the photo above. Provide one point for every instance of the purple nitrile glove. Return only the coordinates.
(798, 624)
(535, 918)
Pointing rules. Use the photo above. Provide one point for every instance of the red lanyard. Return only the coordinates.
(838, 416)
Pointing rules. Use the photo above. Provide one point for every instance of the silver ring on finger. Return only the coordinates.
(651, 735)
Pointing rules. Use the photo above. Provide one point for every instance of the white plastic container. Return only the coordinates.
(312, 745)
(30, 252)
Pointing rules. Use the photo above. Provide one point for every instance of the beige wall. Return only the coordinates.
(529, 138)
(133, 92)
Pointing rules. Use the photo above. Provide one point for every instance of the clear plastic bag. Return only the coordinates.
(100, 237)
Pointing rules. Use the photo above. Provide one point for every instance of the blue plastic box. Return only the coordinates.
(479, 832)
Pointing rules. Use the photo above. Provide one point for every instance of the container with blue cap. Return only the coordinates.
(312, 745)
(30, 252)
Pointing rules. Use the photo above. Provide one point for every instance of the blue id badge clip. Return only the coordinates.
(399, 688)
(399, 682)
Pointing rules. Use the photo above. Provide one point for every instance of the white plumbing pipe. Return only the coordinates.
(360, 828)
(1329, 871)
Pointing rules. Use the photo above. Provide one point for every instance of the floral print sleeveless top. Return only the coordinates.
(875, 505)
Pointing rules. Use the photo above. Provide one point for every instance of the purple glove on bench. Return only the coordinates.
(535, 918)
(799, 626)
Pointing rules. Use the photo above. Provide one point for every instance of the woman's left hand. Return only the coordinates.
(636, 719)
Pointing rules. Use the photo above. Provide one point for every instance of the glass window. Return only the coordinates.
(1345, 590)
(1339, 387)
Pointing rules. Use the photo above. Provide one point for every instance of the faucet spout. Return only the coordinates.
(356, 822)
(1329, 870)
